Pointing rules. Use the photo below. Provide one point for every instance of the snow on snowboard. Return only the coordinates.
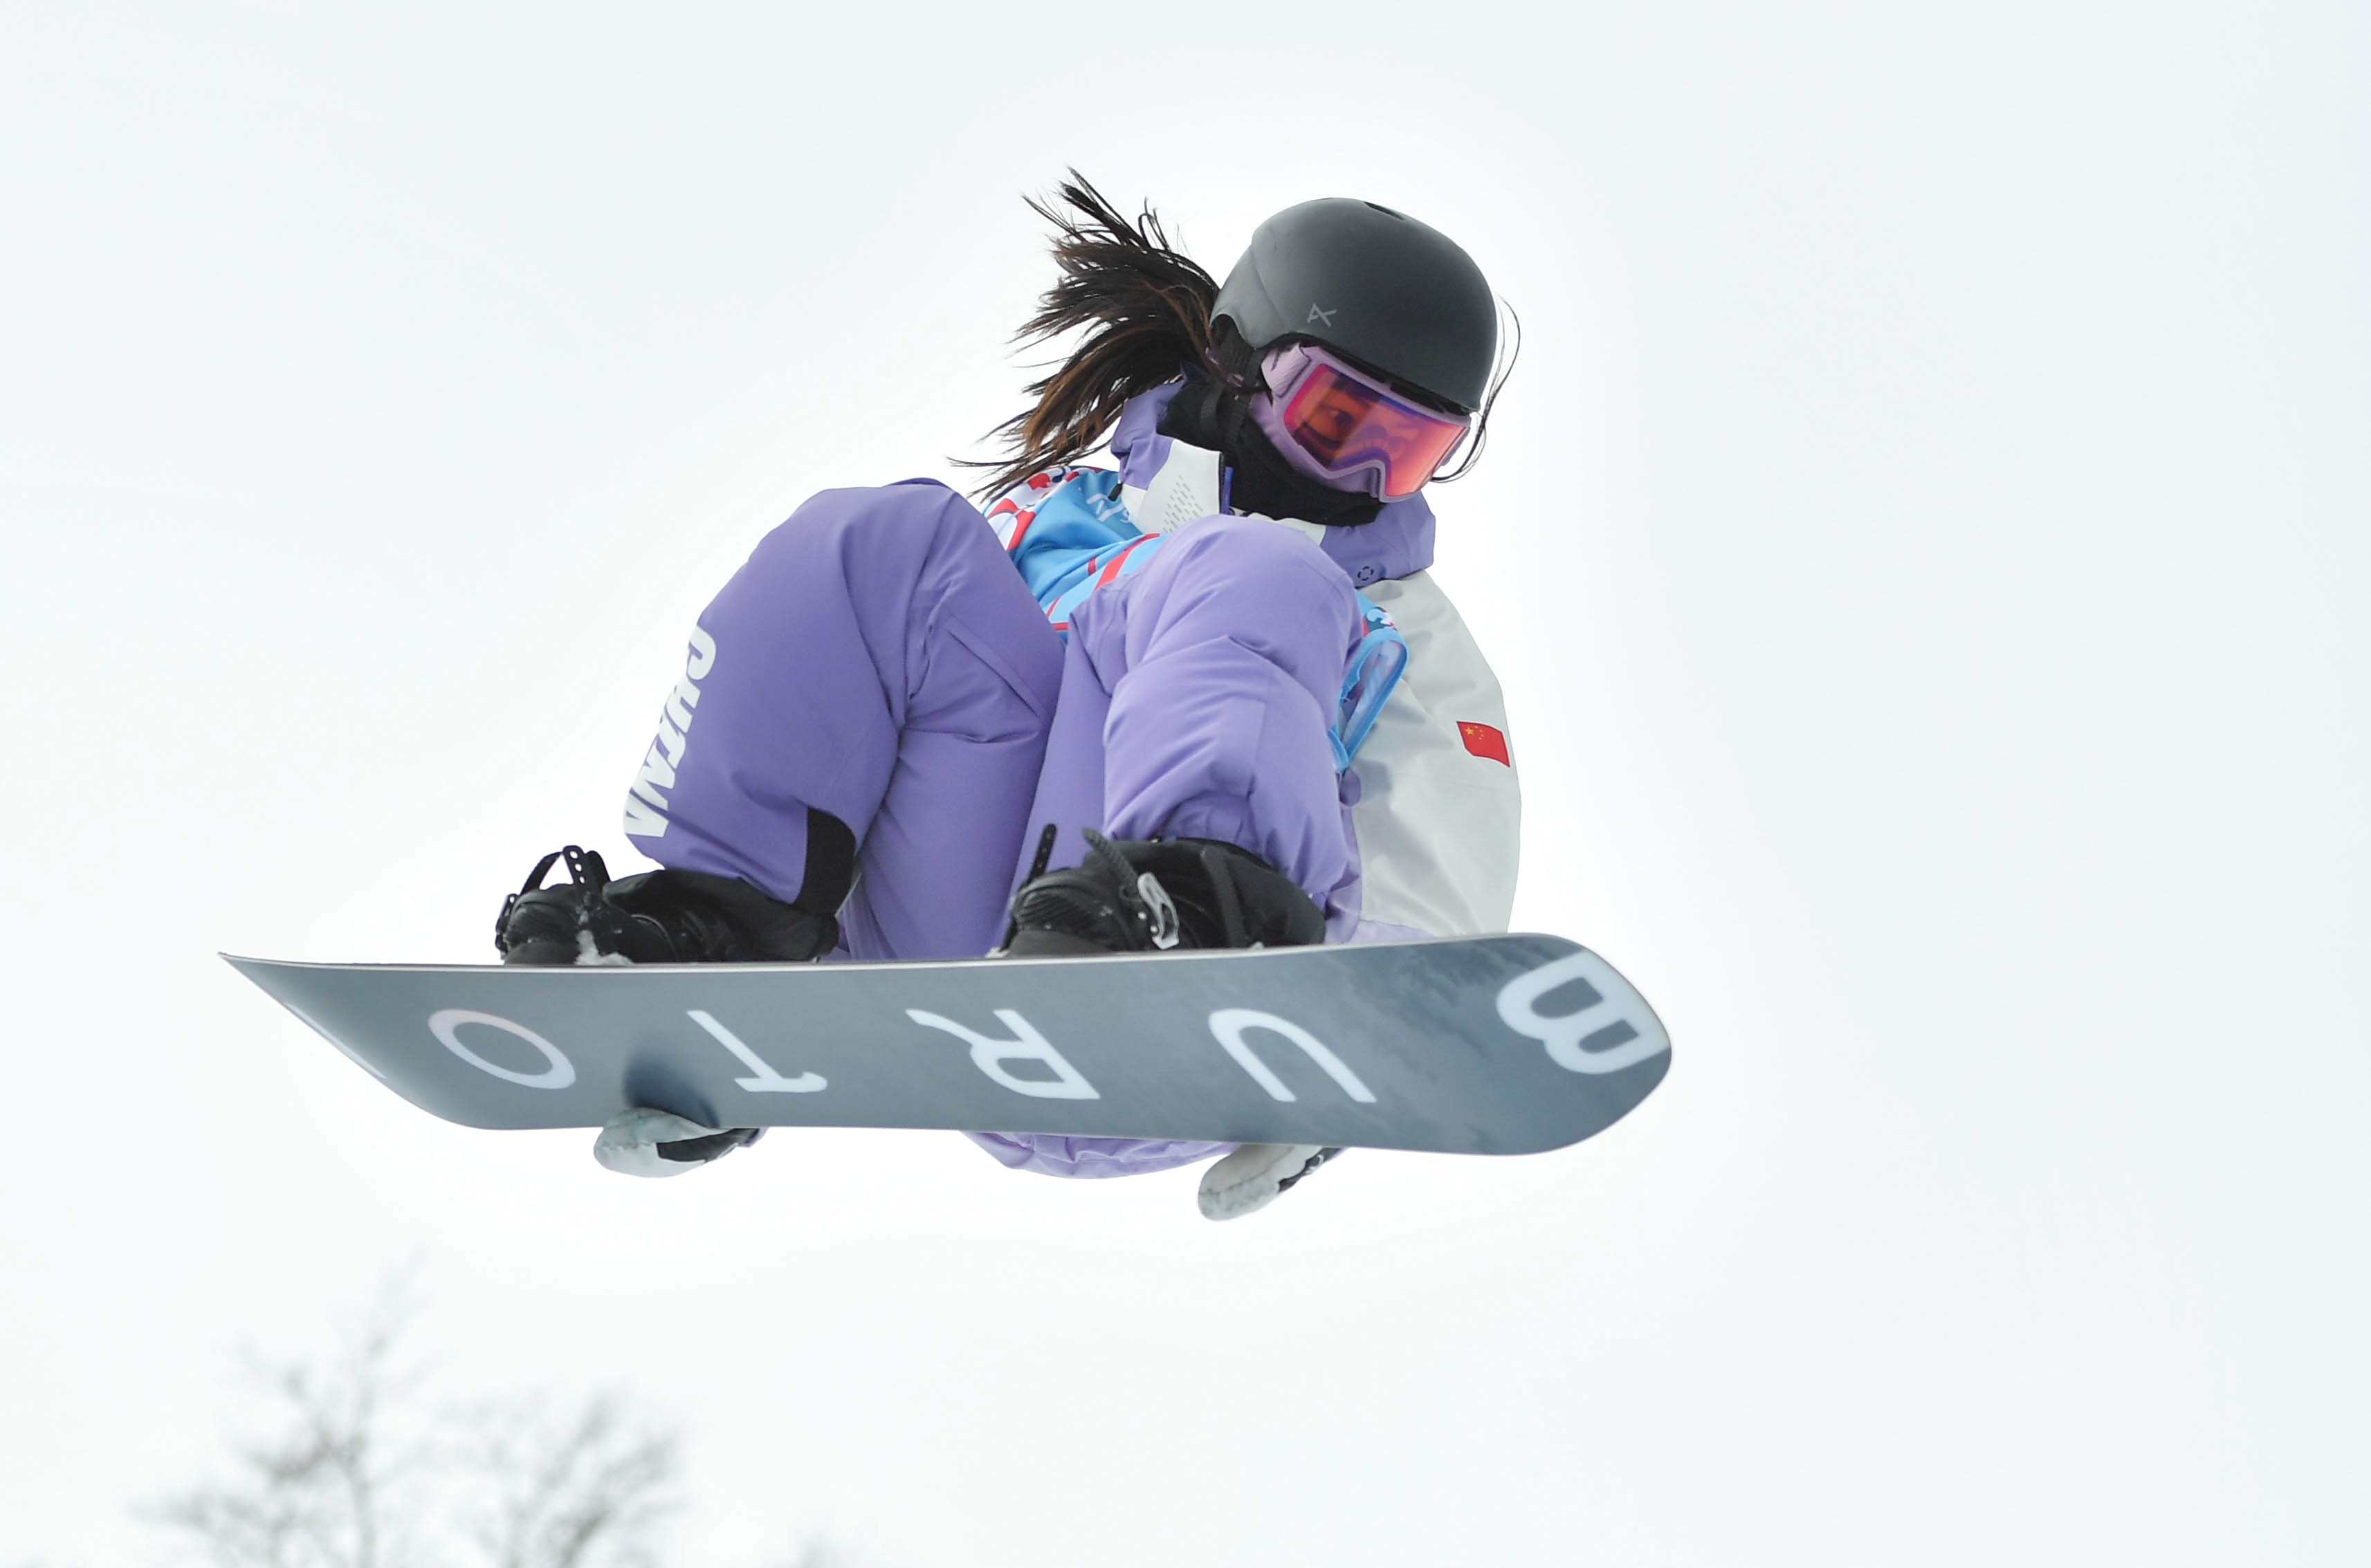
(1506, 1044)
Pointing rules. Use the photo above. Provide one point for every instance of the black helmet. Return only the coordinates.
(1377, 287)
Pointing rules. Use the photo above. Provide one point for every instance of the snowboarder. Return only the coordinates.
(1207, 697)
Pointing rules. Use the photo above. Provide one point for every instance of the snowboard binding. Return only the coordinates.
(1151, 895)
(663, 916)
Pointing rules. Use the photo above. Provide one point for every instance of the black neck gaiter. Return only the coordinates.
(1207, 415)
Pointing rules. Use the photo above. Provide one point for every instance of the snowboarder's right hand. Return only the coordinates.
(658, 1142)
(1256, 1175)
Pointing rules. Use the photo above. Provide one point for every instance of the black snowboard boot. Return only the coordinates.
(1145, 895)
(664, 917)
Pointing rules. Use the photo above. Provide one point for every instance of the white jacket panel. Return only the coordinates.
(1437, 826)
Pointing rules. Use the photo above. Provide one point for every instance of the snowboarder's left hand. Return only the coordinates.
(658, 1142)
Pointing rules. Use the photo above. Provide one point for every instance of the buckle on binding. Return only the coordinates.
(1159, 911)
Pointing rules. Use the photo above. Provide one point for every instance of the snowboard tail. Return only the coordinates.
(1508, 1044)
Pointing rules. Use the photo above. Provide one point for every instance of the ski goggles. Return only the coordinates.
(1349, 431)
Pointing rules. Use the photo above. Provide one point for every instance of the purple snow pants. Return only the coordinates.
(878, 658)
(1196, 700)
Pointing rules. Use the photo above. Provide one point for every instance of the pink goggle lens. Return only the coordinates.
(1346, 421)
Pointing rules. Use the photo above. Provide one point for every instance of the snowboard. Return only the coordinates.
(1501, 1045)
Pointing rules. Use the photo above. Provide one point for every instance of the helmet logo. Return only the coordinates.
(1323, 318)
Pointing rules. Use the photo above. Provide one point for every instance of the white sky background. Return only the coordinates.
(1924, 546)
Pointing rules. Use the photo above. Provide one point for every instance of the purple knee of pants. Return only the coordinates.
(876, 658)
(1196, 698)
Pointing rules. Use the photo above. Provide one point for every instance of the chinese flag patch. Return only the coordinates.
(1484, 741)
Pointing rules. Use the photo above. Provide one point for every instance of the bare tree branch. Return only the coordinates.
(578, 1492)
(362, 1468)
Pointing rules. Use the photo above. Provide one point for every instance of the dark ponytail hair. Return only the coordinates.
(1145, 309)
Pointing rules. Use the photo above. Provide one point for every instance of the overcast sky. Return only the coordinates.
(1924, 546)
